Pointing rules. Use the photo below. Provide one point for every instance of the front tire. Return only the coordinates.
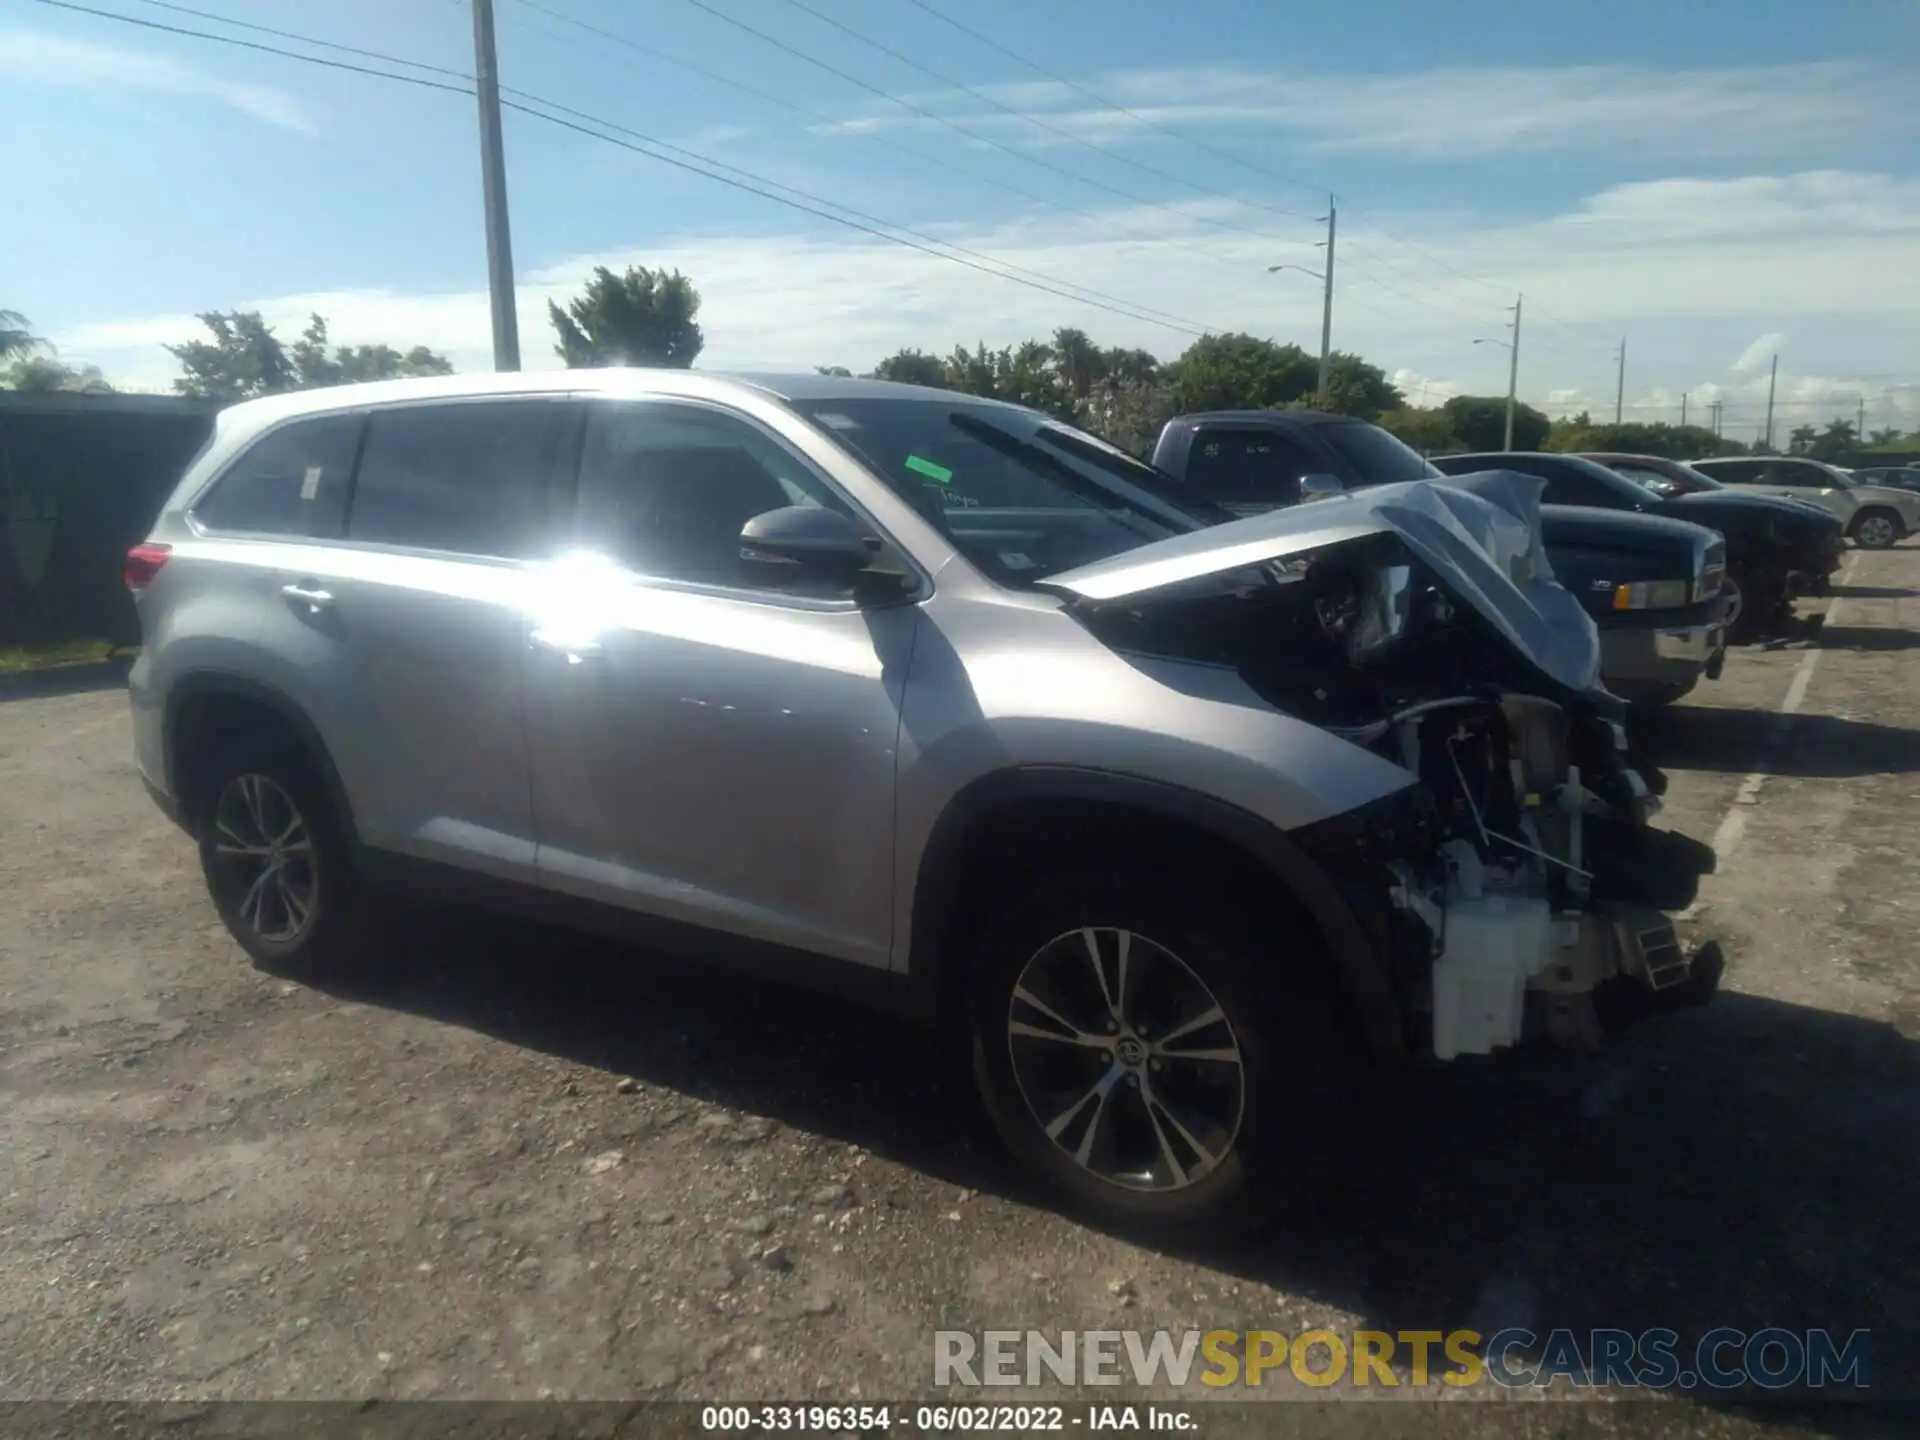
(1876, 529)
(277, 862)
(1133, 1048)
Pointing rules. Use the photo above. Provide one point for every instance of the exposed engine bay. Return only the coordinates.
(1516, 887)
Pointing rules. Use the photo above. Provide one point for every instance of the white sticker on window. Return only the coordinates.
(1014, 560)
(310, 483)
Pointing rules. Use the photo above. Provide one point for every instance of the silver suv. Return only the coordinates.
(1876, 516)
(1189, 822)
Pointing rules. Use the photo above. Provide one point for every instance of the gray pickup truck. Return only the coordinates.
(1653, 586)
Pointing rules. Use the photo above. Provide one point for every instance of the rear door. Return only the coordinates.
(404, 638)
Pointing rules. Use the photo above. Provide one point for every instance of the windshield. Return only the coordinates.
(1021, 496)
(1377, 455)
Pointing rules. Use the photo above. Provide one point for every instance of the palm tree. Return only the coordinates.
(15, 337)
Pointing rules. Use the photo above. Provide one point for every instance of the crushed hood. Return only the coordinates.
(1479, 534)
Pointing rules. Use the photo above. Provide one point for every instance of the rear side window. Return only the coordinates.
(292, 482)
(1738, 472)
(1248, 469)
(464, 477)
(1799, 476)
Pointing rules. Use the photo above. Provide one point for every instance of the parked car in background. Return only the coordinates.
(1776, 550)
(1653, 587)
(1655, 590)
(1192, 827)
(1876, 516)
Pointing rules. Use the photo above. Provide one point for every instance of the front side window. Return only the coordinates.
(1021, 496)
(291, 482)
(467, 477)
(1797, 475)
(666, 488)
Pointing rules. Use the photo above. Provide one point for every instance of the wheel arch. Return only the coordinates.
(234, 705)
(966, 853)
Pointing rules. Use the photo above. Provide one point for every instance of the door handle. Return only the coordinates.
(310, 596)
(575, 647)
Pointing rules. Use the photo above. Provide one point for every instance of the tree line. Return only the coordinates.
(651, 317)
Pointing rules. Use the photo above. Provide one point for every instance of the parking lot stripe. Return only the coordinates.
(1726, 838)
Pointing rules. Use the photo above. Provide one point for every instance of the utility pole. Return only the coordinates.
(1325, 277)
(1326, 310)
(493, 184)
(1513, 371)
(1860, 424)
(1716, 407)
(1683, 409)
(1772, 376)
(1620, 394)
(1513, 367)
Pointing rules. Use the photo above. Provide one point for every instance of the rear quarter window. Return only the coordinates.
(292, 481)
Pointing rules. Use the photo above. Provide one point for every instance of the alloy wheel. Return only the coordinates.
(1126, 1059)
(264, 851)
(1876, 532)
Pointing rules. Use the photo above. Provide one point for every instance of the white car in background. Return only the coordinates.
(1876, 516)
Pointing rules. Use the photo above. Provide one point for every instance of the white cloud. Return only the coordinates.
(1679, 283)
(1449, 113)
(30, 57)
(1759, 353)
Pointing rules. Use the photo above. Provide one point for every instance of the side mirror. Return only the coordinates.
(805, 542)
(1320, 487)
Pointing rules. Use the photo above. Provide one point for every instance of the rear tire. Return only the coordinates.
(1877, 529)
(277, 861)
(1187, 1085)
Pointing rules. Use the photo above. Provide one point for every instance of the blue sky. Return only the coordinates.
(1713, 182)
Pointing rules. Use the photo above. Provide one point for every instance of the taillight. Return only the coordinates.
(143, 562)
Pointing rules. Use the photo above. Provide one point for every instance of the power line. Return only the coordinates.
(1365, 272)
(527, 103)
(971, 134)
(265, 49)
(1127, 307)
(823, 117)
(1067, 135)
(1149, 123)
(291, 35)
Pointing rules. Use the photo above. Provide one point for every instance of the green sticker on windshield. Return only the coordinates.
(939, 474)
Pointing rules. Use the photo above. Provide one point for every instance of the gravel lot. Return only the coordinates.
(525, 1164)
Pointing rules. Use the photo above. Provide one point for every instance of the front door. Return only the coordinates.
(707, 745)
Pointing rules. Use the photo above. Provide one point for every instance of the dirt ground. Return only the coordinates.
(522, 1164)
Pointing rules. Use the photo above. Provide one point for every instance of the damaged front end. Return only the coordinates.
(1518, 889)
(1515, 887)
